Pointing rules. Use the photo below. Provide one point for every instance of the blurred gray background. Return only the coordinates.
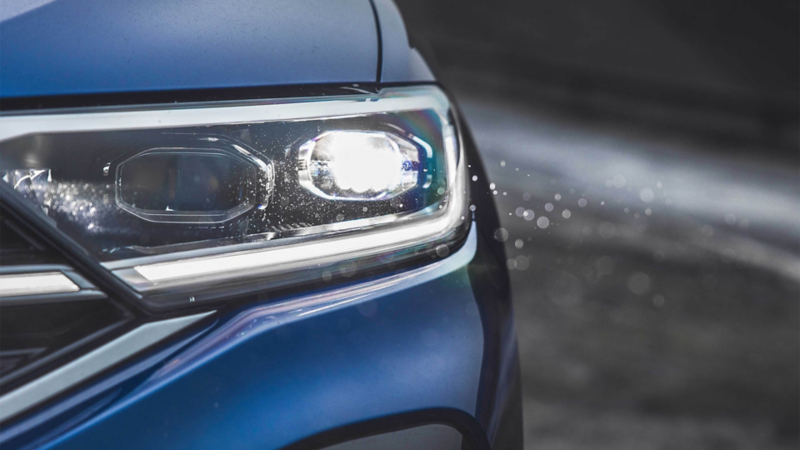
(646, 166)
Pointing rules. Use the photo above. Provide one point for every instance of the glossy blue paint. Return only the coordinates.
(103, 46)
(264, 385)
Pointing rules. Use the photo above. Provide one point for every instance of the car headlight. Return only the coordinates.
(192, 203)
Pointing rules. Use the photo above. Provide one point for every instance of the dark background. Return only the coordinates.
(646, 166)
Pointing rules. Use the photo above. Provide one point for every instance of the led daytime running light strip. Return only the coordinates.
(39, 283)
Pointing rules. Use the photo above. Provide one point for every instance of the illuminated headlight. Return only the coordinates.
(196, 203)
(357, 165)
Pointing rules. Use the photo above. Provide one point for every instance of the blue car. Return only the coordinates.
(243, 224)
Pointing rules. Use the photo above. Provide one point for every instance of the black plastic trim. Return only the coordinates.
(38, 105)
(380, 40)
(474, 437)
(64, 355)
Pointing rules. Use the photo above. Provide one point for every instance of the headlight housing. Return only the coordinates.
(199, 202)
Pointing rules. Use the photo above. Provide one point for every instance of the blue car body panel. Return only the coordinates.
(262, 384)
(104, 46)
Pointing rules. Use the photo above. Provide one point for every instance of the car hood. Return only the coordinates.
(67, 47)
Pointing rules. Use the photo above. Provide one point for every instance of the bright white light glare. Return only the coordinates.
(356, 165)
(35, 284)
(362, 162)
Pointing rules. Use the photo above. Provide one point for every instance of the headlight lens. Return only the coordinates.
(194, 203)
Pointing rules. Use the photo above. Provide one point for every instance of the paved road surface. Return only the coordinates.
(656, 280)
